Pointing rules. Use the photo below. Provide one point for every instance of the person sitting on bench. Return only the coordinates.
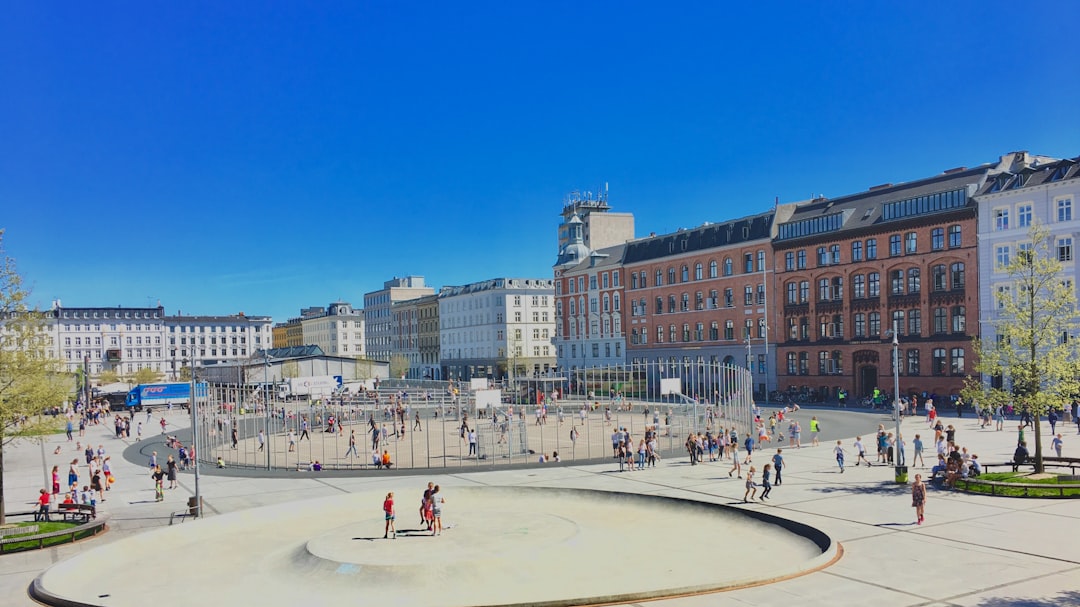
(1020, 456)
(386, 463)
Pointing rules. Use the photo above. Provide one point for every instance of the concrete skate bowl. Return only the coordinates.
(500, 546)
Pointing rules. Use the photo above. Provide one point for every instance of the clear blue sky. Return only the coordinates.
(229, 156)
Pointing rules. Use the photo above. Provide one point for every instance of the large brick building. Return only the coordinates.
(701, 296)
(848, 268)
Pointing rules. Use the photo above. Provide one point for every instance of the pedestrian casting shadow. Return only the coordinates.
(1069, 597)
(882, 488)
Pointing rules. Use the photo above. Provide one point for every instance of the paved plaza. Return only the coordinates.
(972, 550)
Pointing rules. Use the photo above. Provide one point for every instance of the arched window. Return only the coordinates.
(671, 276)
(728, 269)
(659, 278)
(712, 269)
(698, 269)
(684, 274)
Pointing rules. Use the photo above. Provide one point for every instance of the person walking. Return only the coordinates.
(778, 462)
(860, 452)
(352, 445)
(472, 442)
(839, 456)
(416, 423)
(918, 443)
(815, 427)
(159, 488)
(1056, 443)
(42, 514)
(918, 497)
(751, 488)
(765, 482)
(388, 511)
(304, 429)
(262, 440)
(56, 478)
(235, 437)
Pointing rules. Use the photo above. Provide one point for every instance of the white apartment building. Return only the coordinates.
(199, 341)
(497, 328)
(338, 329)
(118, 339)
(378, 313)
(1034, 190)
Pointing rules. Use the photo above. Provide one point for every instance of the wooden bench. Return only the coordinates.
(83, 512)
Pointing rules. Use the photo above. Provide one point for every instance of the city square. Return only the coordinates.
(488, 304)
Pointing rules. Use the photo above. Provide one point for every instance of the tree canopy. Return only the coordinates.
(1029, 353)
(30, 381)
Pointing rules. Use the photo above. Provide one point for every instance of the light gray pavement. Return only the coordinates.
(972, 550)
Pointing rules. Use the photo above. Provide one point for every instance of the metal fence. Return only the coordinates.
(435, 425)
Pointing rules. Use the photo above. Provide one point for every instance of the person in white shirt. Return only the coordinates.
(860, 452)
(840, 456)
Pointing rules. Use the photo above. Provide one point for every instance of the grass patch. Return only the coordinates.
(44, 528)
(1051, 486)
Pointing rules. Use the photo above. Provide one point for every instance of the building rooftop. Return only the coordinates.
(708, 236)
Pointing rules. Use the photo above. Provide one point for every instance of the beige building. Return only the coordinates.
(378, 313)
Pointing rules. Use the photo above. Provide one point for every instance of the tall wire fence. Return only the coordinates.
(432, 425)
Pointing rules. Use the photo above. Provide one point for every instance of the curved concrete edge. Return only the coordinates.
(831, 552)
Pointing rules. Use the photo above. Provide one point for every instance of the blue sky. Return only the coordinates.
(221, 159)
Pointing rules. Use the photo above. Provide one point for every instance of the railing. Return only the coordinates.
(531, 416)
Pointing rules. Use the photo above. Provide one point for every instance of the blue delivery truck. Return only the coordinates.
(161, 395)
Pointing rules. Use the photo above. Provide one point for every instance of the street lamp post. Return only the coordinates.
(750, 366)
(194, 402)
(901, 472)
(266, 403)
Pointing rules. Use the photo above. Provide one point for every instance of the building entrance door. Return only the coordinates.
(868, 378)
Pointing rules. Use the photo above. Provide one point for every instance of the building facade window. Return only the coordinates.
(1064, 249)
(937, 239)
(873, 284)
(912, 362)
(915, 322)
(956, 361)
(871, 248)
(894, 245)
(939, 361)
(911, 243)
(1001, 219)
(955, 239)
(1064, 209)
(856, 250)
(1023, 216)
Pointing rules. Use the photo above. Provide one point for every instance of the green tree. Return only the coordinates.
(399, 365)
(1027, 352)
(108, 376)
(146, 376)
(185, 373)
(30, 381)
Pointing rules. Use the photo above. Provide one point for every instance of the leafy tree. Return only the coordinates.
(30, 381)
(185, 373)
(146, 376)
(1028, 353)
(399, 365)
(108, 376)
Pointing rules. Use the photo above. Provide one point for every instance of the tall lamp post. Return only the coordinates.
(900, 471)
(750, 366)
(267, 392)
(194, 402)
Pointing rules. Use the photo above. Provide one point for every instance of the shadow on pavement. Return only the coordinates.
(1069, 597)
(882, 488)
